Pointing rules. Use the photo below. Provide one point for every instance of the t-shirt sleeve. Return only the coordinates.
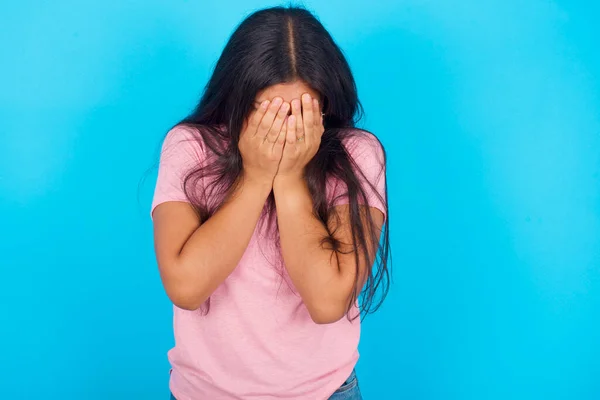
(180, 153)
(369, 160)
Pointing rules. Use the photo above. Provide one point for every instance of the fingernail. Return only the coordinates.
(265, 104)
(306, 97)
(277, 101)
(285, 107)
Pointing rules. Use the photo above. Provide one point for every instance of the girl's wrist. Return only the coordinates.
(288, 182)
(260, 182)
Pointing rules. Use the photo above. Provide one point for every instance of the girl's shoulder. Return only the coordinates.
(360, 143)
(198, 140)
(183, 139)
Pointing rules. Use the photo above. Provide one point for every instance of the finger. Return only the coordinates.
(297, 114)
(280, 141)
(269, 117)
(278, 123)
(257, 116)
(291, 137)
(307, 112)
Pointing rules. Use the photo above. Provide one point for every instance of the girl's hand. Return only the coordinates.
(303, 133)
(261, 142)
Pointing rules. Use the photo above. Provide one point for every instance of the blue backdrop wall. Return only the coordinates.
(490, 112)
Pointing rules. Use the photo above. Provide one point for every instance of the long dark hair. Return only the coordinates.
(274, 46)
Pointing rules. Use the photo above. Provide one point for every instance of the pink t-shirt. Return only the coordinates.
(258, 340)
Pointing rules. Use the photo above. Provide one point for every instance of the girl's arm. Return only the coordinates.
(325, 279)
(195, 257)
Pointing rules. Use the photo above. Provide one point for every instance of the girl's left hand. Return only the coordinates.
(304, 129)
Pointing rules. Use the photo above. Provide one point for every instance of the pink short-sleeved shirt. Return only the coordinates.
(258, 340)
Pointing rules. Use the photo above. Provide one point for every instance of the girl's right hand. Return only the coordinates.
(262, 140)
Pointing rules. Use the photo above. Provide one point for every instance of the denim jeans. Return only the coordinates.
(348, 391)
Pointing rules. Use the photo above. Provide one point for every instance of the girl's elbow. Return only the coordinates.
(327, 314)
(186, 298)
(184, 290)
(186, 304)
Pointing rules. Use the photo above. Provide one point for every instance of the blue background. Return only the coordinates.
(490, 112)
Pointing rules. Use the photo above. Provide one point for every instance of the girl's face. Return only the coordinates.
(287, 91)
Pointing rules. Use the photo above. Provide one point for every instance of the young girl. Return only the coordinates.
(270, 219)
